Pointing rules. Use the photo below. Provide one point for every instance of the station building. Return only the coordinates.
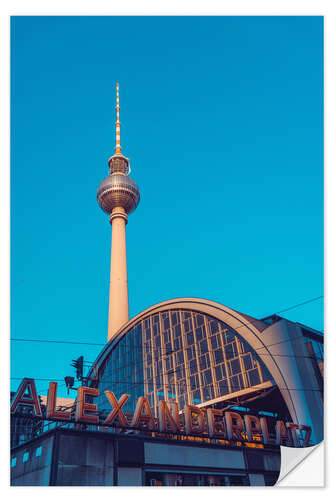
(190, 352)
(199, 352)
(67, 457)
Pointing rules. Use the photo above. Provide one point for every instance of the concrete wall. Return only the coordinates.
(129, 476)
(193, 457)
(71, 458)
(288, 360)
(32, 463)
(84, 461)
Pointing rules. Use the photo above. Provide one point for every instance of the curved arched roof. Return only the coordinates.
(231, 317)
(275, 345)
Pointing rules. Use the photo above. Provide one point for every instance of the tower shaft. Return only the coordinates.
(118, 195)
(118, 298)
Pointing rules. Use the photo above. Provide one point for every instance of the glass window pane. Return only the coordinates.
(265, 373)
(235, 383)
(207, 377)
(208, 393)
(199, 319)
(155, 318)
(190, 352)
(218, 356)
(235, 366)
(196, 397)
(199, 334)
(157, 341)
(203, 347)
(203, 362)
(190, 338)
(247, 360)
(193, 366)
(179, 358)
(223, 387)
(253, 377)
(214, 328)
(166, 322)
(168, 348)
(220, 372)
(194, 382)
(178, 344)
(187, 326)
(229, 337)
(215, 341)
(177, 331)
(175, 317)
(230, 351)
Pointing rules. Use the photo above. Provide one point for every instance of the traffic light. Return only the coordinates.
(69, 381)
(78, 364)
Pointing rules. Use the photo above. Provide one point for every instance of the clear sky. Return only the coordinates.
(222, 118)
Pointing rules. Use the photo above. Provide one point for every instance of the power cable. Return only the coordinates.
(174, 371)
(97, 344)
(300, 304)
(135, 384)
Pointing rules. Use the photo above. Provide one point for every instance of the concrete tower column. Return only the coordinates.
(118, 195)
(118, 300)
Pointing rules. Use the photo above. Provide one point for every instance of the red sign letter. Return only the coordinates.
(189, 427)
(143, 413)
(234, 430)
(215, 428)
(252, 426)
(308, 431)
(292, 429)
(265, 431)
(117, 411)
(282, 435)
(82, 406)
(165, 417)
(30, 399)
(51, 411)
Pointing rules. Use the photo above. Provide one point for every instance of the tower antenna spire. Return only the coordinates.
(118, 147)
(118, 195)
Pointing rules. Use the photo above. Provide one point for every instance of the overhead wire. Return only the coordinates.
(170, 352)
(98, 344)
(173, 371)
(136, 384)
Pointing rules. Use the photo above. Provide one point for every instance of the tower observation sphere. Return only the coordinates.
(118, 190)
(118, 195)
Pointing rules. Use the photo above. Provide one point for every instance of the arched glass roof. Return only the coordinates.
(182, 355)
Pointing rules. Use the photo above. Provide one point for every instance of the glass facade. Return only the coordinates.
(122, 372)
(179, 355)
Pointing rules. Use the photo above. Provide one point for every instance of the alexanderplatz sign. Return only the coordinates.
(211, 422)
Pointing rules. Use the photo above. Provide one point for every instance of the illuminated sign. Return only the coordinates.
(194, 421)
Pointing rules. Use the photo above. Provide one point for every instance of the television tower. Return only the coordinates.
(118, 195)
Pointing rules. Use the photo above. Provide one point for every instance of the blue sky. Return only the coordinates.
(222, 118)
